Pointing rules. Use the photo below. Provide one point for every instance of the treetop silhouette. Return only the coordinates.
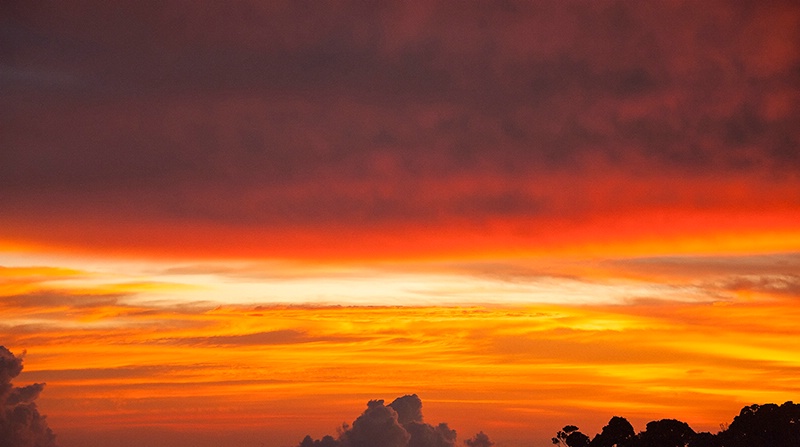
(767, 425)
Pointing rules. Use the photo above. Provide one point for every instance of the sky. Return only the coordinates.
(238, 222)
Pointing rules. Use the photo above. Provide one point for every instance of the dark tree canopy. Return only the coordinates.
(571, 437)
(618, 433)
(666, 433)
(767, 425)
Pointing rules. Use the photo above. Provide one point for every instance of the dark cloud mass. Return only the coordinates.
(326, 113)
(398, 424)
(21, 425)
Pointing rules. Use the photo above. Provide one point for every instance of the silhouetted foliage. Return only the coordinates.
(618, 433)
(767, 425)
(703, 439)
(570, 436)
(666, 433)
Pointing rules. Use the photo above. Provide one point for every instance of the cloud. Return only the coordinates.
(398, 424)
(772, 285)
(278, 337)
(408, 408)
(360, 117)
(719, 277)
(21, 425)
(49, 299)
(480, 440)
(776, 263)
(378, 426)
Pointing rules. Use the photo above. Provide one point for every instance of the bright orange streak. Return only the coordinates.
(639, 235)
(606, 212)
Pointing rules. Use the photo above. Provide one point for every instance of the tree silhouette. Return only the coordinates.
(703, 439)
(767, 425)
(569, 436)
(618, 433)
(666, 433)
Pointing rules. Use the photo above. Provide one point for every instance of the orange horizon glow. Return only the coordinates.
(506, 363)
(648, 338)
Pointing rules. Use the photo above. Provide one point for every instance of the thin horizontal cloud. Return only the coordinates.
(748, 277)
(100, 374)
(60, 299)
(775, 285)
(278, 337)
(775, 263)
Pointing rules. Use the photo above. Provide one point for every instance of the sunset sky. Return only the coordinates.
(235, 223)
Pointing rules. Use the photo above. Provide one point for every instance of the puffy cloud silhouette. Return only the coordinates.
(21, 425)
(426, 435)
(408, 408)
(378, 426)
(409, 414)
(479, 440)
(398, 424)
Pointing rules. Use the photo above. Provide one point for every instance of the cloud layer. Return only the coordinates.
(330, 121)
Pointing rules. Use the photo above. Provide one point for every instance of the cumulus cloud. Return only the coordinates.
(21, 424)
(398, 424)
(378, 426)
(408, 408)
(479, 440)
